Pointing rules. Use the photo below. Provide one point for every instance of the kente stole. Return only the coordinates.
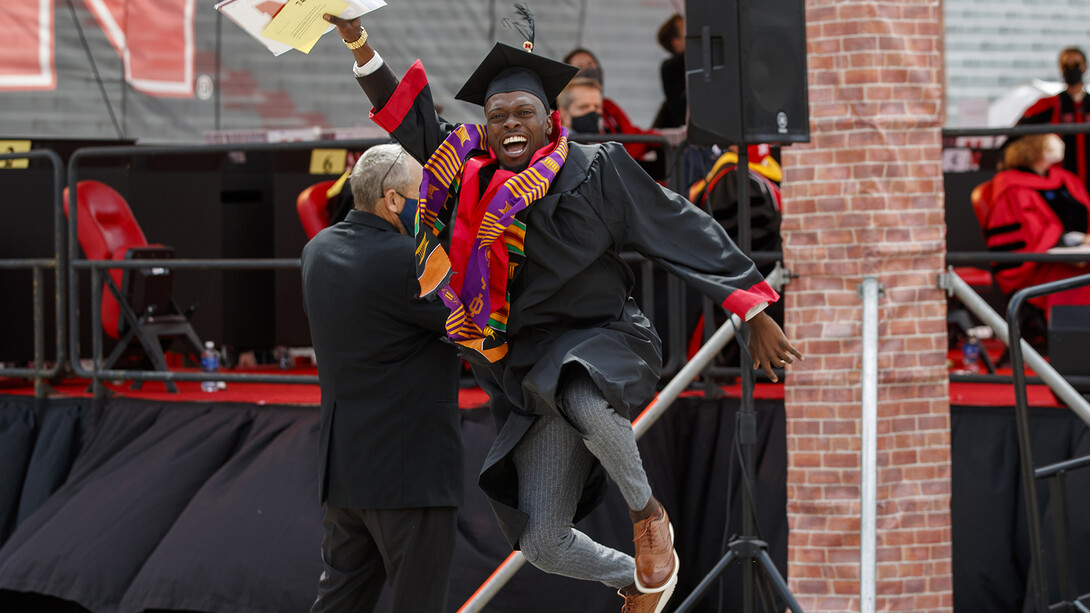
(477, 296)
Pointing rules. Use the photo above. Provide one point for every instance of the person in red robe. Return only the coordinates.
(1037, 206)
(1069, 106)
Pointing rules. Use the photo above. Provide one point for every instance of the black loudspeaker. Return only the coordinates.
(1068, 338)
(745, 64)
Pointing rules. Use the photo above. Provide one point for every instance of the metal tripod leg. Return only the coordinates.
(706, 582)
(778, 582)
(751, 550)
(744, 549)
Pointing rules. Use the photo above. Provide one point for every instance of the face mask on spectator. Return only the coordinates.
(408, 215)
(587, 124)
(1072, 75)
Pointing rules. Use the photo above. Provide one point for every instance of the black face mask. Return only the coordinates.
(408, 215)
(1072, 75)
(591, 123)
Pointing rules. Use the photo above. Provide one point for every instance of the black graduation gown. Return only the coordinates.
(571, 299)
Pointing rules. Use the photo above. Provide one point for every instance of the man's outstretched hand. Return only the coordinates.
(768, 346)
(349, 29)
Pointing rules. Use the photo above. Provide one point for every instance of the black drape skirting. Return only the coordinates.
(145, 506)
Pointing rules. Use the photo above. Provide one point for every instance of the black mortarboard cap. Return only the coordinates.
(509, 69)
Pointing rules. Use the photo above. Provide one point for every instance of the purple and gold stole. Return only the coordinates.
(477, 317)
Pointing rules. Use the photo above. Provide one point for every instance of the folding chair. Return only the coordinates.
(138, 302)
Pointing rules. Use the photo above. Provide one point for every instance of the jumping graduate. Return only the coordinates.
(540, 300)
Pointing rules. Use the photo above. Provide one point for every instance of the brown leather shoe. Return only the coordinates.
(638, 602)
(656, 560)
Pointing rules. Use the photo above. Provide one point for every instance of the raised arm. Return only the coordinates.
(380, 84)
(403, 108)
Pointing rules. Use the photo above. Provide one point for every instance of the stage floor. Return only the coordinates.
(963, 394)
(960, 394)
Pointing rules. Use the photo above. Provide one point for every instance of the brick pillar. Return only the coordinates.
(865, 197)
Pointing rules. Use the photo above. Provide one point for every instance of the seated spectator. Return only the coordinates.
(580, 106)
(614, 119)
(1036, 206)
(761, 161)
(674, 110)
(717, 193)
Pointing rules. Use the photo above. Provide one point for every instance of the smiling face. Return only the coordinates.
(517, 125)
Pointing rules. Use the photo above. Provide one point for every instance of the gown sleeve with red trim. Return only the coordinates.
(408, 113)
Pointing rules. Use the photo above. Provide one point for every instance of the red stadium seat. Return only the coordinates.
(981, 198)
(311, 206)
(138, 302)
(106, 229)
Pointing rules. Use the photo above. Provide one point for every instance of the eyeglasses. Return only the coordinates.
(382, 183)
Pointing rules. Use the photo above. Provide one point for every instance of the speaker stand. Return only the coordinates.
(759, 574)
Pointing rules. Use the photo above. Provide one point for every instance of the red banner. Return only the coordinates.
(26, 44)
(155, 39)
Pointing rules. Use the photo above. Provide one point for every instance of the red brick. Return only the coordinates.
(845, 587)
(878, 110)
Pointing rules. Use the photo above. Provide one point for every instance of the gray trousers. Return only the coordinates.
(553, 460)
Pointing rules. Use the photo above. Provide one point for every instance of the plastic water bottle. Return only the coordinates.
(283, 357)
(210, 363)
(970, 354)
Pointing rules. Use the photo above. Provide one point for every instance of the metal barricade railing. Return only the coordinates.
(1022, 355)
(1065, 562)
(1021, 407)
(39, 372)
(673, 153)
(96, 267)
(958, 288)
(1022, 130)
(984, 260)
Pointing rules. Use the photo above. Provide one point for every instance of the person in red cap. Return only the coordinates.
(540, 301)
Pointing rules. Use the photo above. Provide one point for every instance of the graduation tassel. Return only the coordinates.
(527, 30)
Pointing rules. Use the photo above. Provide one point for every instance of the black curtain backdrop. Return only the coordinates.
(38, 441)
(214, 507)
(146, 506)
(991, 546)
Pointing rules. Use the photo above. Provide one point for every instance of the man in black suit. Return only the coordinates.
(390, 465)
